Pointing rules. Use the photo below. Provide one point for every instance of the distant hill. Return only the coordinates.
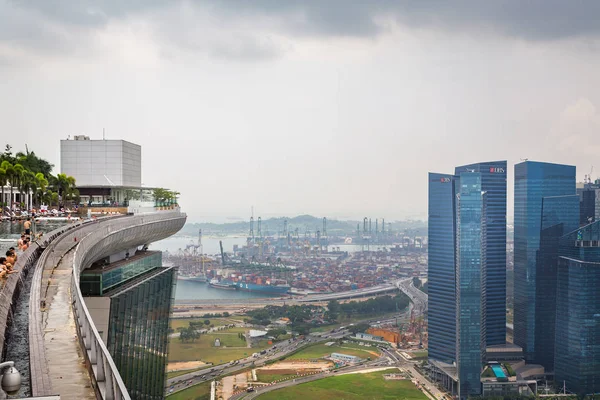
(303, 223)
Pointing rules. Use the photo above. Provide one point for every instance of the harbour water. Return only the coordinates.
(188, 290)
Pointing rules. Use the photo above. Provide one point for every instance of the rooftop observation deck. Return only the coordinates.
(66, 354)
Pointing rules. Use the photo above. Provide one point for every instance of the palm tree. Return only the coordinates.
(10, 173)
(64, 185)
(41, 184)
(28, 183)
(3, 180)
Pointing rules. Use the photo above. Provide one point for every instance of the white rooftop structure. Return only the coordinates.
(101, 163)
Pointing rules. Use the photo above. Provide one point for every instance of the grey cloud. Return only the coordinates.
(534, 19)
(529, 20)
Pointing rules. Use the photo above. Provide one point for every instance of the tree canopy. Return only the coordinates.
(29, 173)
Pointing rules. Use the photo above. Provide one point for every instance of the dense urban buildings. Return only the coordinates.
(467, 268)
(577, 350)
(535, 182)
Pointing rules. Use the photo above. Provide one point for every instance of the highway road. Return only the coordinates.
(274, 352)
(418, 297)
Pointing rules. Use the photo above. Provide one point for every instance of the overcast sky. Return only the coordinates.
(335, 108)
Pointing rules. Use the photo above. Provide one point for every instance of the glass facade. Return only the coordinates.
(138, 331)
(441, 272)
(577, 340)
(560, 214)
(493, 183)
(533, 182)
(96, 281)
(469, 279)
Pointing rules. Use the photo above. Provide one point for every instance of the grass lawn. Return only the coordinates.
(232, 348)
(185, 322)
(370, 386)
(267, 376)
(320, 351)
(197, 392)
(419, 354)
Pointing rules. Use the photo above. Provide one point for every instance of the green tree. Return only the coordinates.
(206, 322)
(33, 163)
(276, 332)
(3, 180)
(358, 328)
(334, 309)
(41, 186)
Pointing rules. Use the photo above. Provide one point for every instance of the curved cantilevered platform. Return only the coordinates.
(60, 364)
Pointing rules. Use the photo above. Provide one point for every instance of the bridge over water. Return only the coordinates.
(66, 354)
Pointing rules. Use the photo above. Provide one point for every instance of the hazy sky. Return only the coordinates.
(336, 108)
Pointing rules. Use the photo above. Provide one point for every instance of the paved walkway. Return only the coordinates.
(66, 364)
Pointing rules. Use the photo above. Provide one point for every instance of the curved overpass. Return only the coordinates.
(58, 270)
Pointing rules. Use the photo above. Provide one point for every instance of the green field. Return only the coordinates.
(265, 376)
(197, 392)
(202, 349)
(370, 386)
(185, 322)
(419, 354)
(320, 351)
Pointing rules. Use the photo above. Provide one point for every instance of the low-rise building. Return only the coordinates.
(368, 336)
(345, 358)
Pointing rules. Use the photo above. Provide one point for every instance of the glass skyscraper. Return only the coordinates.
(130, 301)
(441, 315)
(493, 183)
(560, 214)
(535, 181)
(470, 300)
(467, 268)
(577, 340)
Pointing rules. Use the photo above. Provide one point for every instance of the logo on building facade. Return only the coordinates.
(497, 170)
(444, 180)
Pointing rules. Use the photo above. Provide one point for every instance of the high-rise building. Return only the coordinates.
(467, 269)
(560, 215)
(129, 297)
(577, 339)
(535, 181)
(493, 183)
(589, 201)
(441, 317)
(470, 283)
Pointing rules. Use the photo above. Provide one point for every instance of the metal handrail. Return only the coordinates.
(103, 366)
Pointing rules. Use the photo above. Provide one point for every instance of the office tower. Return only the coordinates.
(130, 299)
(493, 183)
(441, 317)
(589, 201)
(577, 340)
(467, 268)
(470, 283)
(535, 184)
